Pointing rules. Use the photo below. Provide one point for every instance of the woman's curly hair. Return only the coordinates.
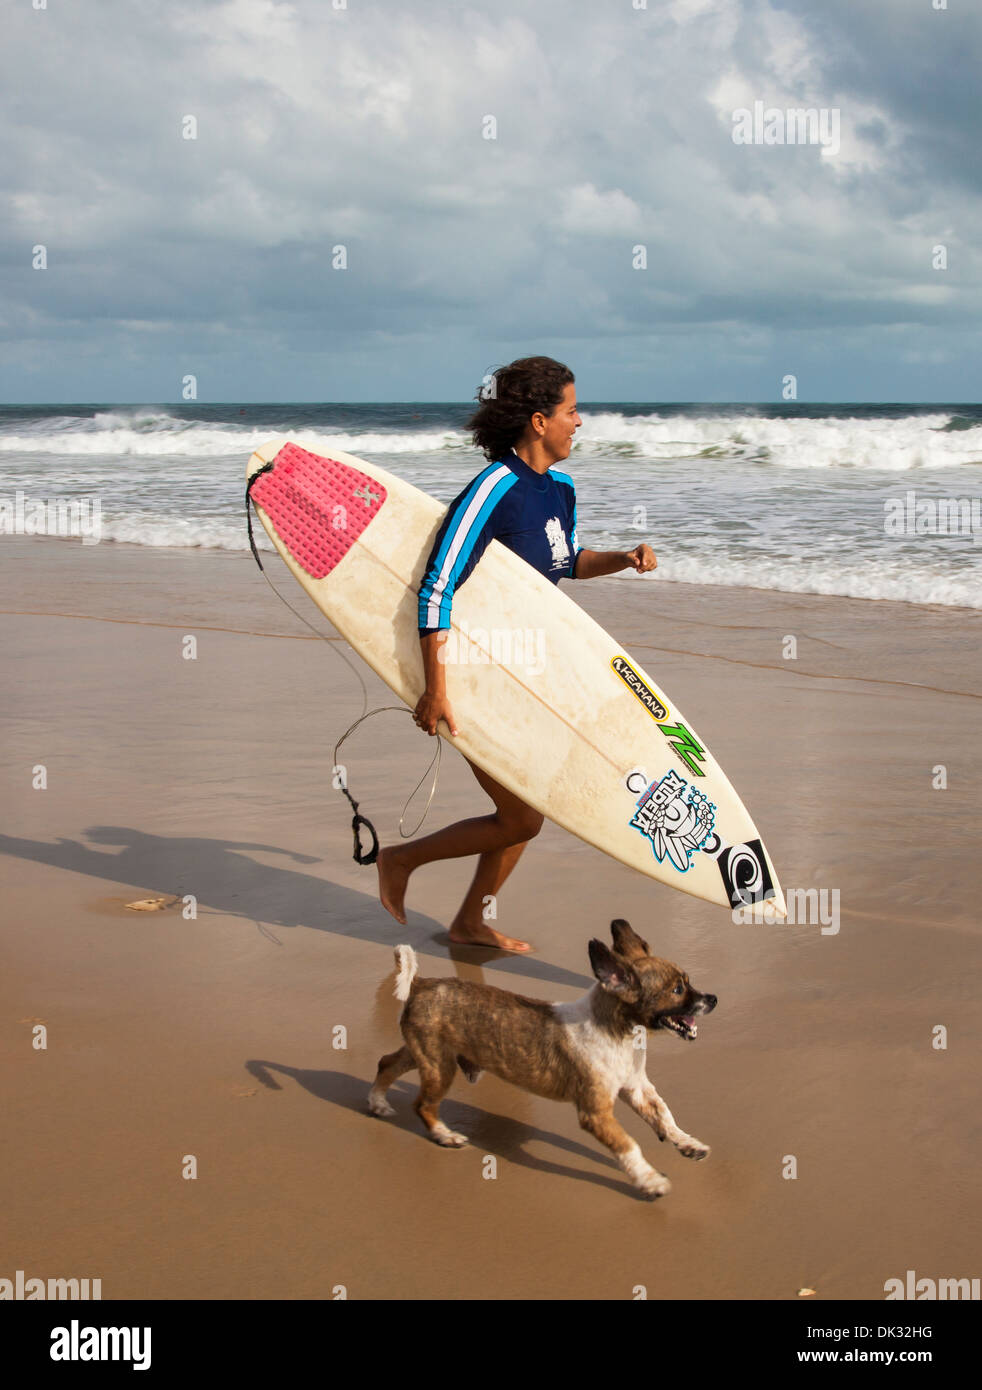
(510, 396)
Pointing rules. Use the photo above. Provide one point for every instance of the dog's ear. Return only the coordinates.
(627, 943)
(615, 975)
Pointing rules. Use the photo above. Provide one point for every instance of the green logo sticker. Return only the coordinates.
(686, 745)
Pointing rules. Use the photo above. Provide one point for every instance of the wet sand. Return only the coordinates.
(216, 1037)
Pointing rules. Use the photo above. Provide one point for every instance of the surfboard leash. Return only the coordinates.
(357, 820)
(266, 468)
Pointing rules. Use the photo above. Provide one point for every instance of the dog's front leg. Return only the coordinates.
(645, 1101)
(601, 1123)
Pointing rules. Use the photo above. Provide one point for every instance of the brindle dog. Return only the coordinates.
(589, 1052)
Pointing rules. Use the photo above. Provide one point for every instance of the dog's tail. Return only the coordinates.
(407, 967)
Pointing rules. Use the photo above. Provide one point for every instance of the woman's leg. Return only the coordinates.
(499, 839)
(469, 927)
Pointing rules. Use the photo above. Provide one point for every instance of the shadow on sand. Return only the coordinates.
(226, 877)
(495, 1134)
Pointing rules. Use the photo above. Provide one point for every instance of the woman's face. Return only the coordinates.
(562, 424)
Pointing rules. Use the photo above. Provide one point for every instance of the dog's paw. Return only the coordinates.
(693, 1148)
(654, 1185)
(449, 1139)
(378, 1105)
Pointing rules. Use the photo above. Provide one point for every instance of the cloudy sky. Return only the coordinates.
(365, 127)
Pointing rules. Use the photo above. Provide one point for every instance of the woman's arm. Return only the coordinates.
(433, 704)
(464, 535)
(592, 563)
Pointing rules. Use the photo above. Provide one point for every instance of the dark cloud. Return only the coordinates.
(362, 128)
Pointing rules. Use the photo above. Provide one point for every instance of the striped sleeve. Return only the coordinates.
(462, 539)
(575, 547)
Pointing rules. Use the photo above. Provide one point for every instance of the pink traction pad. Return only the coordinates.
(319, 506)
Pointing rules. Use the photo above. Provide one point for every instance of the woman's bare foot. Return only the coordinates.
(480, 934)
(392, 879)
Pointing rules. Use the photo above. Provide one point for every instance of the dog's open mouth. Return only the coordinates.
(683, 1024)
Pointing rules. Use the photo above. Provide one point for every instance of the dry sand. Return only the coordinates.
(215, 1037)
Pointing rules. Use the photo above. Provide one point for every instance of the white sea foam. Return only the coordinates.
(882, 444)
(914, 441)
(730, 498)
(850, 577)
(181, 532)
(901, 581)
(168, 437)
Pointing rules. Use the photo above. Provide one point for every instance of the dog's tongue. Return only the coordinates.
(688, 1020)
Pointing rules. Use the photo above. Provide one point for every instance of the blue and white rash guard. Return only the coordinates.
(533, 514)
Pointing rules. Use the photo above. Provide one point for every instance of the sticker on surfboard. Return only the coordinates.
(746, 876)
(678, 822)
(639, 688)
(682, 740)
(676, 818)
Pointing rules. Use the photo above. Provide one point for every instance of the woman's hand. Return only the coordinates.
(641, 558)
(433, 704)
(430, 710)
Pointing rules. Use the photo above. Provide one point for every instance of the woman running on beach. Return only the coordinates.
(524, 427)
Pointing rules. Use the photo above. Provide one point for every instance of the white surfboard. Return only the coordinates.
(547, 702)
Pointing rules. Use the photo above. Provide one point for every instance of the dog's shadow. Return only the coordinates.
(496, 1134)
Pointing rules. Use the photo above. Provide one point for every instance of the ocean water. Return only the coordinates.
(792, 497)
